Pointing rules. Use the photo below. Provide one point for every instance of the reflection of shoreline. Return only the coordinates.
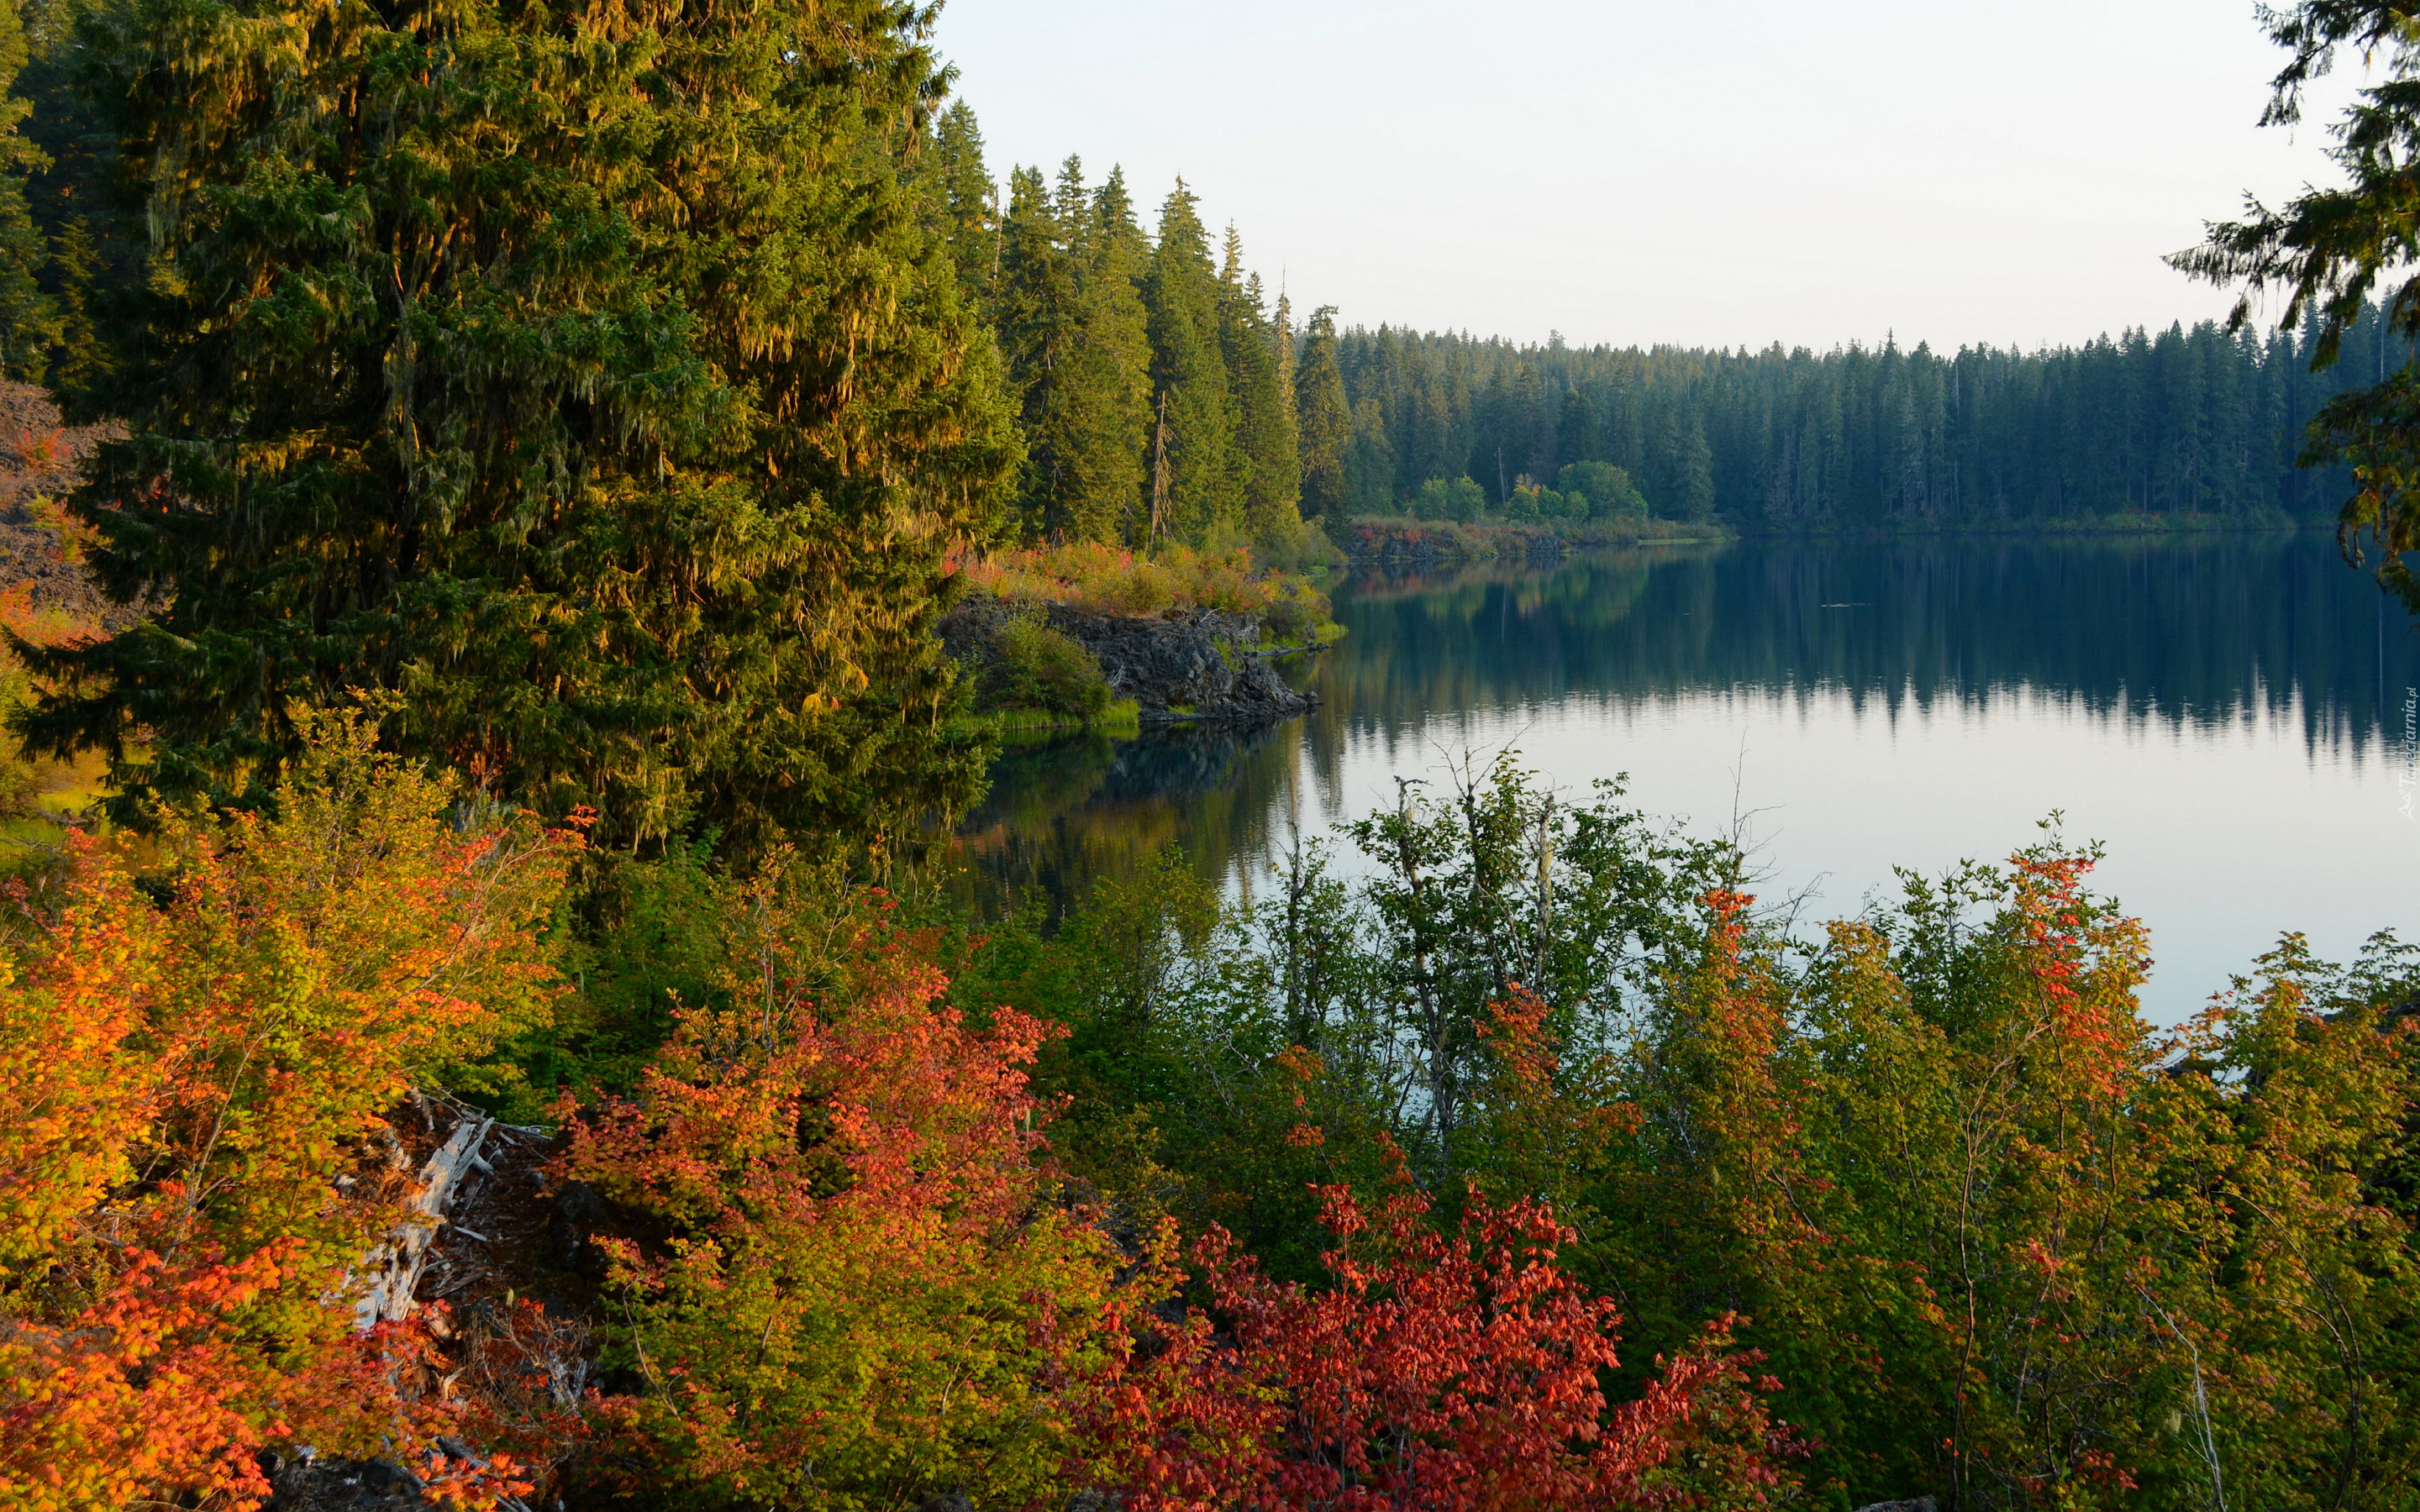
(1377, 580)
(1177, 762)
(2168, 635)
(2178, 631)
(1060, 815)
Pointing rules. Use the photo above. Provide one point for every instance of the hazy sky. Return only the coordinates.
(1714, 173)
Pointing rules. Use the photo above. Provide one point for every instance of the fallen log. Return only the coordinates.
(394, 1266)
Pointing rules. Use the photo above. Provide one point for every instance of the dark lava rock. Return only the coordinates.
(1199, 663)
(1182, 665)
(578, 1212)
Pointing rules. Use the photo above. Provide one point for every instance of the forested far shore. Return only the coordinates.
(2178, 423)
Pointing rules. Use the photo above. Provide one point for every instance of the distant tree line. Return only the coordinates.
(2180, 422)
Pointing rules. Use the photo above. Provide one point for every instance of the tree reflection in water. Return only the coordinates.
(2187, 636)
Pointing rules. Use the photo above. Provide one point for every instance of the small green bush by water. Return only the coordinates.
(1044, 670)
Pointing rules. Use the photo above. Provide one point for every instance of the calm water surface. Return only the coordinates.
(2232, 716)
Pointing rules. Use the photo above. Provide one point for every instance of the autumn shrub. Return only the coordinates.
(197, 1041)
(1999, 1239)
(1299, 614)
(22, 622)
(1433, 1370)
(852, 1286)
(1920, 1205)
(1115, 581)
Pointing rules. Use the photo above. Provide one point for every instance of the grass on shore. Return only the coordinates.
(1122, 717)
(1108, 579)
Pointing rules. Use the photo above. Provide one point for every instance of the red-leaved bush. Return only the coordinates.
(1439, 1371)
(864, 1287)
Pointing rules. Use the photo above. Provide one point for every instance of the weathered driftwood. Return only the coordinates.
(393, 1267)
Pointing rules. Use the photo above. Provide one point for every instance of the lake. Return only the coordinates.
(2233, 715)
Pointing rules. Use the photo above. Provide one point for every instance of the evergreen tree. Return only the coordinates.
(2189, 420)
(598, 390)
(1182, 303)
(1370, 469)
(76, 269)
(2329, 248)
(1037, 325)
(964, 203)
(1287, 340)
(29, 317)
(1071, 329)
(1110, 392)
(1267, 447)
(1324, 424)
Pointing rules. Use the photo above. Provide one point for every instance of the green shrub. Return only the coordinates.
(1458, 499)
(1299, 614)
(1605, 490)
(1035, 667)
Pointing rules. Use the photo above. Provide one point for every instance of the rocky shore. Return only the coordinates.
(1196, 664)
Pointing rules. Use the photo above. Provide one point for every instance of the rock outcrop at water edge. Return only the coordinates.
(1196, 664)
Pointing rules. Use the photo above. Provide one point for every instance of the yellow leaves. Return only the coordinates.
(227, 1046)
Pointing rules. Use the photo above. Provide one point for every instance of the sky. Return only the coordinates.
(1719, 172)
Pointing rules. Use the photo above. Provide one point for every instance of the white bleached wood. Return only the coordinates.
(394, 1266)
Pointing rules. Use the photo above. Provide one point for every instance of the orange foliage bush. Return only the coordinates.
(22, 618)
(188, 1087)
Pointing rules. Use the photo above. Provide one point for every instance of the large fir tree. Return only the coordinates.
(1265, 445)
(962, 202)
(1182, 300)
(1071, 328)
(2329, 249)
(1037, 325)
(587, 375)
(1322, 421)
(1109, 391)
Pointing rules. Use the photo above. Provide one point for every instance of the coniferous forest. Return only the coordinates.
(485, 1019)
(2178, 422)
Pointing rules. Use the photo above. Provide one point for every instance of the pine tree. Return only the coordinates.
(1370, 468)
(1287, 339)
(75, 269)
(1323, 423)
(1038, 326)
(2328, 249)
(1071, 329)
(598, 388)
(1181, 301)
